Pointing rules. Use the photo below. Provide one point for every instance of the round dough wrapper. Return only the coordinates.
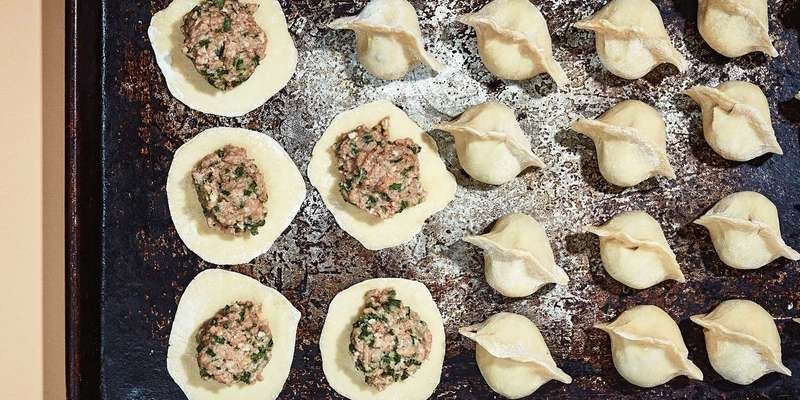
(373, 232)
(337, 362)
(206, 294)
(742, 341)
(192, 89)
(512, 355)
(285, 187)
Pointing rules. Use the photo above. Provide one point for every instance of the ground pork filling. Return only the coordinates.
(231, 191)
(234, 345)
(389, 342)
(379, 176)
(224, 42)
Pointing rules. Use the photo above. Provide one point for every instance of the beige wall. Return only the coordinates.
(32, 215)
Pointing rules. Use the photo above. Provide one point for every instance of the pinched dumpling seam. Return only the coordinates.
(556, 274)
(658, 158)
(552, 67)
(711, 98)
(660, 47)
(735, 8)
(627, 240)
(520, 149)
(772, 238)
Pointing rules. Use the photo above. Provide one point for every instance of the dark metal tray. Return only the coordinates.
(128, 268)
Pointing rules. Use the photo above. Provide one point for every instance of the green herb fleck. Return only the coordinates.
(226, 24)
(204, 43)
(396, 186)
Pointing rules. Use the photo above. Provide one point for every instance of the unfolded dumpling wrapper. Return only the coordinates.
(742, 341)
(513, 41)
(631, 143)
(746, 231)
(647, 347)
(735, 27)
(388, 39)
(635, 251)
(736, 120)
(518, 257)
(631, 39)
(512, 355)
(491, 146)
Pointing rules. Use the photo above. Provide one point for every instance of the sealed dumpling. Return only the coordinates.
(232, 338)
(647, 347)
(379, 174)
(490, 144)
(631, 39)
(512, 355)
(383, 339)
(635, 252)
(388, 38)
(736, 120)
(513, 41)
(518, 257)
(735, 27)
(630, 139)
(742, 341)
(224, 57)
(746, 231)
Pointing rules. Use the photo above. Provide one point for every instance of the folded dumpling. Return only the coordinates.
(631, 39)
(735, 27)
(635, 251)
(647, 347)
(491, 146)
(746, 231)
(512, 355)
(513, 41)
(736, 120)
(631, 143)
(518, 256)
(388, 38)
(742, 341)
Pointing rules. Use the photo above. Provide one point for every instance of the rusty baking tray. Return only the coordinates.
(128, 268)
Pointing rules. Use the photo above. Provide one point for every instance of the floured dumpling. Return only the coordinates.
(742, 341)
(631, 39)
(518, 257)
(647, 347)
(223, 57)
(490, 144)
(635, 251)
(513, 41)
(383, 339)
(512, 355)
(232, 338)
(379, 174)
(388, 39)
(735, 27)
(231, 193)
(746, 231)
(736, 120)
(630, 139)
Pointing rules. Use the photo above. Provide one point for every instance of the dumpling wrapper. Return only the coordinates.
(742, 341)
(635, 252)
(631, 39)
(373, 232)
(647, 347)
(491, 146)
(736, 120)
(514, 41)
(512, 355)
(285, 188)
(207, 293)
(630, 139)
(746, 232)
(518, 257)
(190, 88)
(388, 39)
(338, 364)
(735, 27)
